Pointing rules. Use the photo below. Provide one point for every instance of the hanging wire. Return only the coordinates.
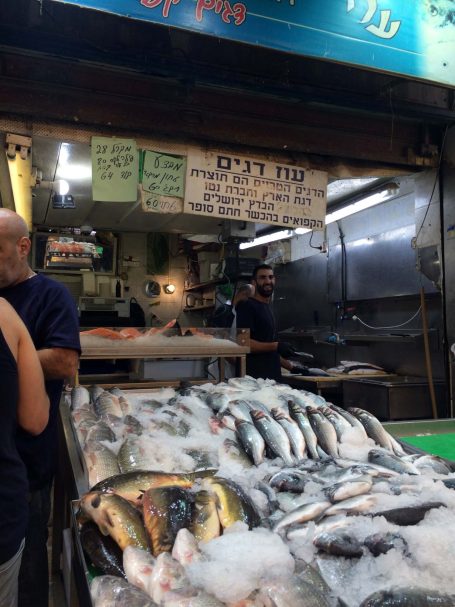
(390, 327)
(438, 172)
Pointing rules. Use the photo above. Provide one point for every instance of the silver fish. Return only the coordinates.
(325, 432)
(274, 435)
(301, 418)
(295, 592)
(99, 432)
(131, 456)
(240, 410)
(251, 440)
(432, 462)
(353, 505)
(373, 427)
(302, 514)
(101, 462)
(336, 420)
(296, 438)
(338, 544)
(343, 491)
(107, 403)
(244, 383)
(94, 392)
(392, 461)
(351, 419)
(79, 397)
(292, 480)
(111, 591)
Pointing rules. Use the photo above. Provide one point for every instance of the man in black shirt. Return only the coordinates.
(268, 355)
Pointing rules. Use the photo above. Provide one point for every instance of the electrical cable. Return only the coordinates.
(438, 171)
(312, 245)
(391, 327)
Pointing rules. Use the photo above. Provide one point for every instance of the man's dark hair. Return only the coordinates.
(262, 266)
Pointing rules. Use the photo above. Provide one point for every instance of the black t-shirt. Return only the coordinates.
(13, 476)
(258, 318)
(49, 313)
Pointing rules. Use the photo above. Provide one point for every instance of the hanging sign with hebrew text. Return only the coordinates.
(248, 189)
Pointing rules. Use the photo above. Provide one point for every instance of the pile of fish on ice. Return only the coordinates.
(252, 494)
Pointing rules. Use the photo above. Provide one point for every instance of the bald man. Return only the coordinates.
(49, 312)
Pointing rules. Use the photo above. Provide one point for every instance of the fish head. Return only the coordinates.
(257, 415)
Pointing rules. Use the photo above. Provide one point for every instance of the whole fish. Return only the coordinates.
(301, 418)
(138, 565)
(99, 432)
(306, 512)
(290, 480)
(408, 515)
(117, 392)
(351, 419)
(433, 463)
(125, 405)
(110, 591)
(347, 489)
(218, 402)
(296, 438)
(270, 494)
(251, 440)
(236, 453)
(94, 392)
(116, 517)
(132, 425)
(408, 597)
(131, 455)
(353, 505)
(274, 436)
(392, 461)
(338, 544)
(338, 422)
(373, 427)
(233, 504)
(132, 485)
(166, 510)
(108, 403)
(325, 432)
(79, 397)
(102, 551)
(101, 462)
(205, 524)
(380, 543)
(240, 410)
(83, 415)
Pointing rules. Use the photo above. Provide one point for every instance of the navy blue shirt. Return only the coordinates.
(50, 315)
(13, 475)
(258, 318)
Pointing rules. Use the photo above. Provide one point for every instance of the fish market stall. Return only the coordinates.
(166, 344)
(251, 493)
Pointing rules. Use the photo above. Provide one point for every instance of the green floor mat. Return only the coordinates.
(436, 444)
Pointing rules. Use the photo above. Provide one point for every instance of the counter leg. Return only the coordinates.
(222, 368)
(242, 366)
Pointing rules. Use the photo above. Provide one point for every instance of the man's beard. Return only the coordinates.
(264, 292)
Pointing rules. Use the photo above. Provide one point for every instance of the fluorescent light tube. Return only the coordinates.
(361, 205)
(267, 238)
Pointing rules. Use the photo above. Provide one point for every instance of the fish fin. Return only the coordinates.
(103, 528)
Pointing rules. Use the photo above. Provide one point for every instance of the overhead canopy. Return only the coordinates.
(413, 39)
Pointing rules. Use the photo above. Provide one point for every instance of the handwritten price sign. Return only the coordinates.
(115, 169)
(164, 174)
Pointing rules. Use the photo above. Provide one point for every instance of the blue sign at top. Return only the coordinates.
(414, 38)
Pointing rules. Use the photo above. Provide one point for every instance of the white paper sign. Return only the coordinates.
(247, 189)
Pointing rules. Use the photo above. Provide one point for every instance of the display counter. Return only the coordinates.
(166, 344)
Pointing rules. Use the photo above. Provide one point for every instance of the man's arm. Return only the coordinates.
(263, 346)
(58, 363)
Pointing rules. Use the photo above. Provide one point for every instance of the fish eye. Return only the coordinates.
(433, 10)
(96, 501)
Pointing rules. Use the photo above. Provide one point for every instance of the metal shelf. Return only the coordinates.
(204, 285)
